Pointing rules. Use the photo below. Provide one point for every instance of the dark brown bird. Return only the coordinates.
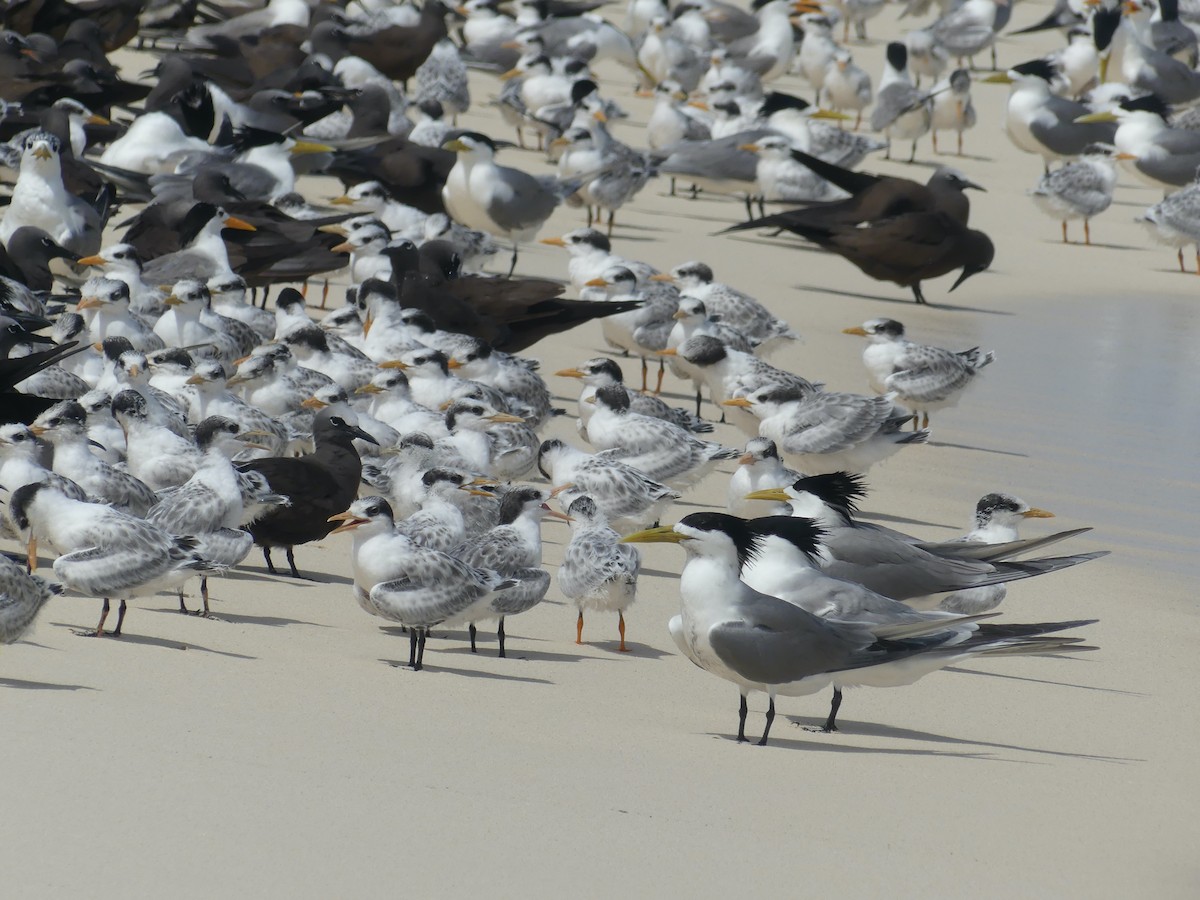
(909, 248)
(873, 197)
(318, 485)
(509, 313)
(396, 51)
(893, 229)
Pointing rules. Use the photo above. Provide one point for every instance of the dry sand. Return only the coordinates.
(279, 752)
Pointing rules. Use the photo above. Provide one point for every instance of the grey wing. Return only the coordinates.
(773, 642)
(130, 492)
(991, 552)
(499, 550)
(114, 566)
(179, 265)
(892, 102)
(593, 559)
(897, 569)
(621, 489)
(189, 509)
(930, 373)
(1066, 137)
(828, 423)
(225, 547)
(530, 589)
(525, 203)
(434, 590)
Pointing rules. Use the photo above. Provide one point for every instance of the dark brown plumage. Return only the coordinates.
(319, 485)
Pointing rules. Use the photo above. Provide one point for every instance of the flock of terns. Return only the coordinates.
(161, 422)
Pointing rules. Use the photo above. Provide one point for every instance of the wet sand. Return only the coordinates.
(280, 752)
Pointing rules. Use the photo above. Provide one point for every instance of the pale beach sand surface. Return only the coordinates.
(279, 752)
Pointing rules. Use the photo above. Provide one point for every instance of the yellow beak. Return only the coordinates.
(769, 494)
(664, 534)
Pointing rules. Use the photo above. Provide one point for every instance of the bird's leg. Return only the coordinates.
(698, 401)
(471, 630)
(918, 293)
(266, 295)
(671, 193)
(500, 637)
(621, 630)
(916, 422)
(325, 290)
(31, 548)
(611, 214)
(267, 557)
(742, 710)
(646, 369)
(291, 558)
(995, 66)
(912, 157)
(579, 628)
(182, 606)
(512, 266)
(1045, 166)
(540, 146)
(204, 593)
(421, 640)
(120, 619)
(858, 120)
(934, 134)
(762, 209)
(1064, 230)
(1087, 232)
(749, 207)
(1181, 268)
(520, 139)
(304, 290)
(887, 153)
(835, 704)
(695, 191)
(960, 149)
(1198, 259)
(661, 369)
(762, 741)
(924, 420)
(589, 215)
(412, 649)
(103, 616)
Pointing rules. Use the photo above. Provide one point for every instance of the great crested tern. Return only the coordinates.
(502, 201)
(1078, 190)
(920, 376)
(901, 111)
(889, 563)
(598, 571)
(759, 642)
(788, 567)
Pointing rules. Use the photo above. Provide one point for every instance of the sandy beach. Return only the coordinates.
(280, 752)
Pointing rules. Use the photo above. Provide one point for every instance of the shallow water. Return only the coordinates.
(1103, 395)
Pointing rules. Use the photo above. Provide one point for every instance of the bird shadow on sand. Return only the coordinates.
(875, 729)
(1069, 684)
(219, 615)
(901, 301)
(18, 684)
(436, 667)
(978, 449)
(147, 641)
(814, 745)
(1054, 243)
(311, 581)
(488, 649)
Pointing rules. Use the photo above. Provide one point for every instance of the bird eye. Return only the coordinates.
(18, 437)
(336, 421)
